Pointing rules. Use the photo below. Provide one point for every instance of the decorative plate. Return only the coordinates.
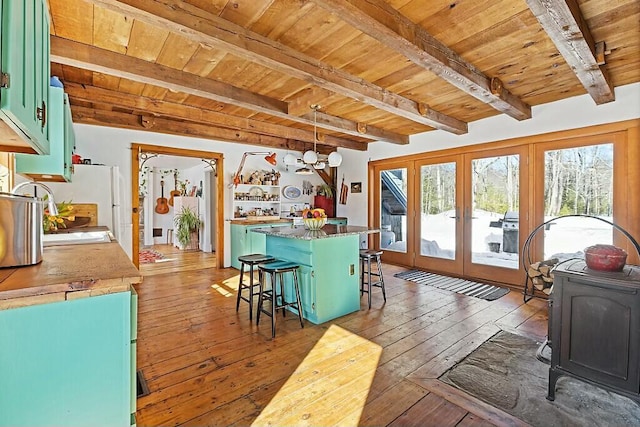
(256, 192)
(291, 192)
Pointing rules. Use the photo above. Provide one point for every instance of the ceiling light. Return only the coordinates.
(311, 159)
(335, 159)
(289, 159)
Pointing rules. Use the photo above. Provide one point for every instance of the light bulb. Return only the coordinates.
(289, 159)
(310, 157)
(335, 159)
(319, 165)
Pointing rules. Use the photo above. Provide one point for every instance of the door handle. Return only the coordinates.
(457, 215)
(467, 214)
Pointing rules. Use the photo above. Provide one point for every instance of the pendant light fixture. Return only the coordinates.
(311, 159)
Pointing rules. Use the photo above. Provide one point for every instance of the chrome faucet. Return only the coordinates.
(53, 209)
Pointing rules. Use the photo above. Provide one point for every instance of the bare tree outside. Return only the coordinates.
(579, 181)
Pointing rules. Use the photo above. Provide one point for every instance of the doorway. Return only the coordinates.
(215, 159)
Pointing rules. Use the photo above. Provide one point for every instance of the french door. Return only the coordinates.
(439, 214)
(495, 213)
(460, 214)
(394, 212)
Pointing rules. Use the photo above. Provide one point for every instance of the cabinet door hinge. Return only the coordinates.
(4, 80)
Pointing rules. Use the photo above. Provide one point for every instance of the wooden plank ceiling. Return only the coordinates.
(251, 70)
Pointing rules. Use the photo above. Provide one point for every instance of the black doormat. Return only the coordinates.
(461, 286)
(505, 373)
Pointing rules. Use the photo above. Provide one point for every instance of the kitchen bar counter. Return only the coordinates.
(68, 272)
(287, 220)
(329, 273)
(329, 230)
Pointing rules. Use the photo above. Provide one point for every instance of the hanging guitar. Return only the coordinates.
(162, 206)
(175, 192)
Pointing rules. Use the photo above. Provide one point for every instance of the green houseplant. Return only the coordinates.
(187, 224)
(324, 199)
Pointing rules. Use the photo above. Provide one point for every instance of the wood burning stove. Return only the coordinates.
(594, 327)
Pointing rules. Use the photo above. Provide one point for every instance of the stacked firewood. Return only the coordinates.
(541, 274)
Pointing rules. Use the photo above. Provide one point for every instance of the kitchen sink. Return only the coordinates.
(81, 237)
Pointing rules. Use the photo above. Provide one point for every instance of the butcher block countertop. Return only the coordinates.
(68, 272)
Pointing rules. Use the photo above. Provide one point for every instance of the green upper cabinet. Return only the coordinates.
(57, 165)
(24, 80)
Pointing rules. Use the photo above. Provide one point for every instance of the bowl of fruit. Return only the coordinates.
(314, 219)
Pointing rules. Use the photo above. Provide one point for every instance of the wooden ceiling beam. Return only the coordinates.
(140, 104)
(564, 24)
(98, 117)
(382, 22)
(203, 27)
(79, 55)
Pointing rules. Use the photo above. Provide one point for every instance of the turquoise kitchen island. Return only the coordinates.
(329, 266)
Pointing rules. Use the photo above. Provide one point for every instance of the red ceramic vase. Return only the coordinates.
(605, 257)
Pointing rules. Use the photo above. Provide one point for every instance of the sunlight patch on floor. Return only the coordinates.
(222, 290)
(329, 387)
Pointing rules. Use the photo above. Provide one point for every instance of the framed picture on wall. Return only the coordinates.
(356, 187)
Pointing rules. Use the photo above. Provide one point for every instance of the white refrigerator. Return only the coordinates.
(96, 184)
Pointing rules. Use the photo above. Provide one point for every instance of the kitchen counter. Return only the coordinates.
(286, 220)
(68, 331)
(68, 272)
(328, 231)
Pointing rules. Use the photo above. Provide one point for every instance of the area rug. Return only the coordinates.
(148, 256)
(505, 373)
(461, 286)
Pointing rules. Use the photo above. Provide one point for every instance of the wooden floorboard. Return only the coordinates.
(206, 364)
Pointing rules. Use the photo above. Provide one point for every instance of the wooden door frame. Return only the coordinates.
(399, 258)
(136, 150)
(626, 154)
(621, 196)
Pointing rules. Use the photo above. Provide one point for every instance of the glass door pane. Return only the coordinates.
(495, 223)
(393, 210)
(578, 180)
(438, 212)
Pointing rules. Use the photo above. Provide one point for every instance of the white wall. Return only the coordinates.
(111, 146)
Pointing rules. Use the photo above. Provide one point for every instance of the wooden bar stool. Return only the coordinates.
(366, 256)
(275, 270)
(250, 260)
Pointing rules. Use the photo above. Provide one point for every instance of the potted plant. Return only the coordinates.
(324, 199)
(188, 225)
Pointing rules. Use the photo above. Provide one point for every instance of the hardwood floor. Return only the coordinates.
(205, 364)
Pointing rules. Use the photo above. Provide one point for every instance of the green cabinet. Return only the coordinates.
(337, 221)
(329, 274)
(245, 242)
(69, 363)
(24, 82)
(55, 166)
